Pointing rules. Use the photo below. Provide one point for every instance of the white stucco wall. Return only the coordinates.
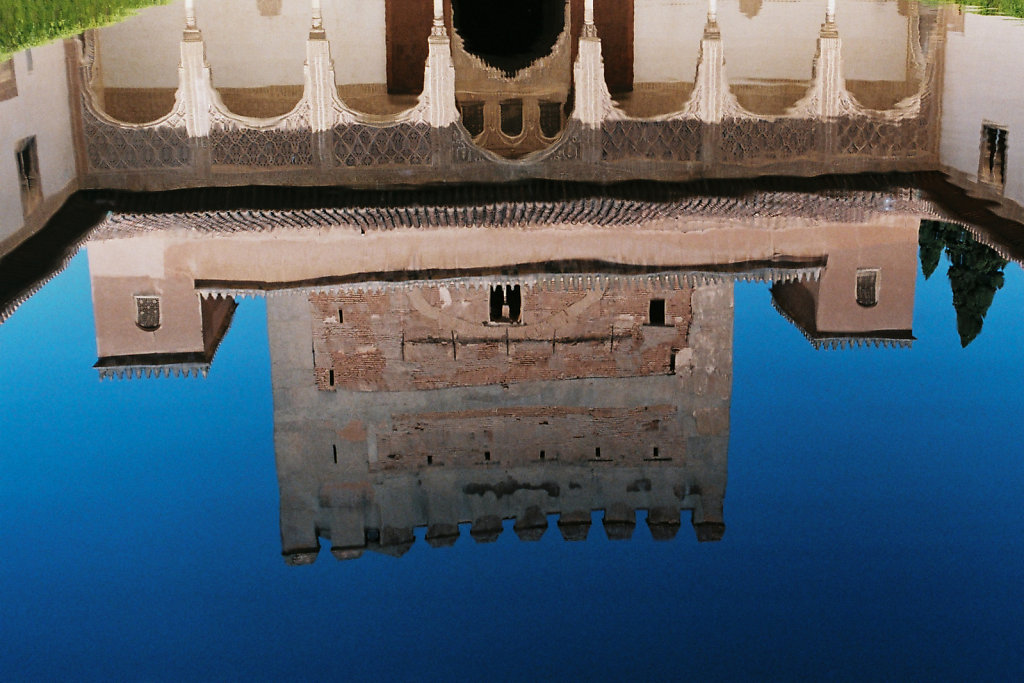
(245, 49)
(357, 34)
(40, 109)
(143, 52)
(778, 43)
(982, 85)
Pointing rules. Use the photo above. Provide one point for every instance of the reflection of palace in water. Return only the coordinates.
(436, 364)
(467, 355)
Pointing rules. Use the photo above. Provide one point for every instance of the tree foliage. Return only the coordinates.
(975, 273)
(28, 23)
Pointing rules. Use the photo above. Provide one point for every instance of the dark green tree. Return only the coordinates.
(976, 273)
(932, 240)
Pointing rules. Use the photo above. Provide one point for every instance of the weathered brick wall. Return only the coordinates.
(435, 336)
(505, 436)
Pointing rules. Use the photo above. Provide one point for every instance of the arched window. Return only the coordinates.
(512, 117)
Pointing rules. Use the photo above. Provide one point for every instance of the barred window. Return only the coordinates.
(992, 167)
(147, 312)
(867, 287)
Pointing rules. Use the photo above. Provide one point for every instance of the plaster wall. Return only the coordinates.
(244, 48)
(893, 252)
(668, 34)
(121, 269)
(41, 109)
(980, 86)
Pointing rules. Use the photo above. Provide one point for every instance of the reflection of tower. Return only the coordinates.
(610, 396)
(435, 366)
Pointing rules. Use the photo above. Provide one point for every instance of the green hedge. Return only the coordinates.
(27, 23)
(1009, 8)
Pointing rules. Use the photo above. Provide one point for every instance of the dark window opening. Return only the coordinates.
(28, 174)
(430, 460)
(487, 455)
(473, 117)
(334, 447)
(550, 119)
(330, 377)
(341, 316)
(992, 169)
(597, 452)
(512, 117)
(867, 287)
(655, 451)
(147, 312)
(672, 361)
(656, 313)
(506, 304)
(542, 455)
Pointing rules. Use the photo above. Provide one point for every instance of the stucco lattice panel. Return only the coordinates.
(678, 140)
(761, 141)
(867, 137)
(117, 148)
(464, 151)
(262, 148)
(361, 145)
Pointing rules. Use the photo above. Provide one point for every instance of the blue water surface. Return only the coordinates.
(874, 528)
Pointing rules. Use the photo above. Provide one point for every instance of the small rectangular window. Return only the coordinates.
(341, 316)
(28, 174)
(867, 287)
(992, 167)
(8, 83)
(656, 313)
(330, 377)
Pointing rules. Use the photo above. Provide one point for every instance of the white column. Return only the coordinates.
(318, 16)
(195, 85)
(321, 88)
(712, 11)
(593, 101)
(830, 11)
(439, 78)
